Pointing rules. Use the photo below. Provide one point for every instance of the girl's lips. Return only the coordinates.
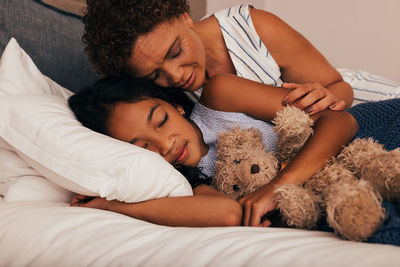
(182, 155)
(190, 81)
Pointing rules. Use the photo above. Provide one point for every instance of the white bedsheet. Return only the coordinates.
(54, 234)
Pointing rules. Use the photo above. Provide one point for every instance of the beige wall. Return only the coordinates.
(355, 34)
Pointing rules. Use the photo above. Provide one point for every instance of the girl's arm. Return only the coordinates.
(207, 207)
(332, 130)
(302, 66)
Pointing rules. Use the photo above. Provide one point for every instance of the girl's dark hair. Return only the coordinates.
(113, 26)
(93, 105)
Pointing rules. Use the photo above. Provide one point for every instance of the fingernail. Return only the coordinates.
(332, 106)
(285, 102)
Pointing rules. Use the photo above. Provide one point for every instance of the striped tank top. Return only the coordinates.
(248, 53)
(253, 61)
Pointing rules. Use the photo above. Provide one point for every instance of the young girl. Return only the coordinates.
(143, 114)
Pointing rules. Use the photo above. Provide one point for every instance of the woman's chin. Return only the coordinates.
(198, 83)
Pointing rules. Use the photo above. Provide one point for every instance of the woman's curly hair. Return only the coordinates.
(113, 26)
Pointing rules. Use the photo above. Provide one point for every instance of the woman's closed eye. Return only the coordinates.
(173, 53)
(154, 76)
(177, 54)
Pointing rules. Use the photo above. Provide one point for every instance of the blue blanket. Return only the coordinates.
(389, 233)
(379, 120)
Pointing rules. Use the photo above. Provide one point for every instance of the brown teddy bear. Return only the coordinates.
(348, 190)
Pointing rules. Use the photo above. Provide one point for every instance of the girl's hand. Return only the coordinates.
(90, 202)
(311, 97)
(257, 204)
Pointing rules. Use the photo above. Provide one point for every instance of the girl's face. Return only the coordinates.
(172, 55)
(158, 126)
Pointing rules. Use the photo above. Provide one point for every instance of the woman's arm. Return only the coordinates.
(332, 130)
(207, 207)
(302, 66)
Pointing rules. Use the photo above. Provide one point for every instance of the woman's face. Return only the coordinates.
(172, 55)
(158, 126)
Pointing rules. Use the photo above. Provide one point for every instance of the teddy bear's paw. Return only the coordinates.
(298, 206)
(360, 153)
(354, 211)
(383, 173)
(294, 127)
(332, 173)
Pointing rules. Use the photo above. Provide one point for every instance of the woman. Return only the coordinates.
(159, 41)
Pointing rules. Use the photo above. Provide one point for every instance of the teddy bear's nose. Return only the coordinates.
(254, 169)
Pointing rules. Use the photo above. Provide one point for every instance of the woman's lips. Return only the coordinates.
(182, 155)
(189, 81)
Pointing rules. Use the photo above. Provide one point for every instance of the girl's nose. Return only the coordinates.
(165, 144)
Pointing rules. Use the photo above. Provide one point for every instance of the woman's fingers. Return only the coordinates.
(246, 212)
(290, 85)
(340, 105)
(298, 92)
(311, 97)
(311, 106)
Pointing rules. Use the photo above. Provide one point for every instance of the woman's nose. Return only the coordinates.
(174, 74)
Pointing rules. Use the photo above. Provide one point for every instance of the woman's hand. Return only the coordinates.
(258, 204)
(311, 97)
(90, 202)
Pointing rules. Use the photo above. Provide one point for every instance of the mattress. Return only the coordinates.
(54, 234)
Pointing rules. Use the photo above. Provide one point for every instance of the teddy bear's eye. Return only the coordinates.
(235, 187)
(237, 161)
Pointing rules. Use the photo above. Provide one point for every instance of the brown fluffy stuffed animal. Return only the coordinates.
(348, 190)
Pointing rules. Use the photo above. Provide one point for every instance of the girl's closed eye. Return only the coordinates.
(165, 119)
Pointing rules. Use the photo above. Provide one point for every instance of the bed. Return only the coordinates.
(39, 228)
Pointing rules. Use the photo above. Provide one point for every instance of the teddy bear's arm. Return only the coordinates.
(293, 127)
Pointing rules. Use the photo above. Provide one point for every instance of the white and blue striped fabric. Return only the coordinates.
(368, 87)
(248, 53)
(253, 61)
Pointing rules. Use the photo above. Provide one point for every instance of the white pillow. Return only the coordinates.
(19, 181)
(18, 74)
(34, 188)
(43, 131)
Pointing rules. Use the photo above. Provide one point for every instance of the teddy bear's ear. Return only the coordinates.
(240, 138)
(294, 127)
